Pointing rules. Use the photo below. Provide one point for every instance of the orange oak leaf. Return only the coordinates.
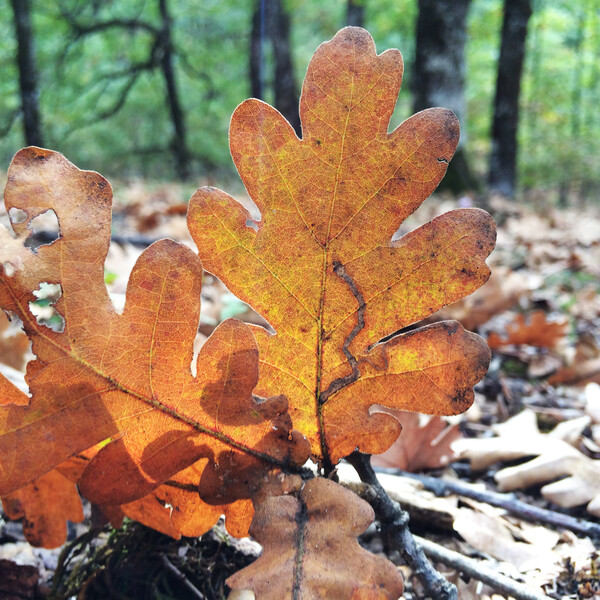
(537, 331)
(320, 265)
(174, 508)
(126, 376)
(311, 551)
(45, 505)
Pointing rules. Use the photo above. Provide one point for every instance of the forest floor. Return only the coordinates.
(532, 434)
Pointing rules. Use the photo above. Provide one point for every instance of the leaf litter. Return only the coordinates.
(537, 273)
(567, 294)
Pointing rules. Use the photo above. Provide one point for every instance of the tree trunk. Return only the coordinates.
(256, 52)
(439, 74)
(178, 143)
(270, 19)
(284, 83)
(355, 13)
(32, 125)
(503, 159)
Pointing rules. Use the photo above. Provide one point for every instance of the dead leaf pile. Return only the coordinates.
(574, 477)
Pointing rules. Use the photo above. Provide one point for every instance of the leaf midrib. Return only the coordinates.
(130, 392)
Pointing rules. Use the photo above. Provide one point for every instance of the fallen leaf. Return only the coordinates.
(423, 444)
(537, 331)
(311, 551)
(489, 534)
(584, 367)
(320, 266)
(556, 458)
(592, 401)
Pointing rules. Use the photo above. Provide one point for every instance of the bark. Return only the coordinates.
(28, 81)
(439, 73)
(270, 20)
(178, 143)
(355, 13)
(286, 93)
(256, 53)
(503, 160)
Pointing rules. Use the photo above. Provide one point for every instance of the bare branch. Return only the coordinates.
(394, 524)
(122, 98)
(195, 592)
(80, 29)
(442, 487)
(12, 117)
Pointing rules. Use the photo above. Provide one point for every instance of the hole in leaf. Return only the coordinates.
(15, 350)
(252, 223)
(198, 343)
(14, 343)
(45, 230)
(16, 215)
(9, 269)
(43, 308)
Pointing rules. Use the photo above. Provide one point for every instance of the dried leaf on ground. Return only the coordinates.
(531, 552)
(127, 377)
(320, 266)
(556, 458)
(425, 443)
(536, 331)
(584, 366)
(311, 551)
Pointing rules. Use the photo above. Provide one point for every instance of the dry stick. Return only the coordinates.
(390, 515)
(477, 571)
(188, 584)
(394, 522)
(442, 487)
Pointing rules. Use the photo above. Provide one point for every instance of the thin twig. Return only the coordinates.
(478, 571)
(442, 487)
(181, 576)
(394, 523)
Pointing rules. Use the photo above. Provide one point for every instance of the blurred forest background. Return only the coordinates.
(147, 87)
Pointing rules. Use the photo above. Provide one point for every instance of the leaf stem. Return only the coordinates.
(394, 523)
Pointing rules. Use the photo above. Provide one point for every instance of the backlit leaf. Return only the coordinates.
(45, 505)
(127, 377)
(321, 266)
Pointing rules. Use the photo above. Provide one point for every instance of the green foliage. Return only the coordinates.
(559, 131)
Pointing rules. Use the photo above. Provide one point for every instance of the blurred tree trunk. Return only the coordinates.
(355, 13)
(439, 74)
(178, 143)
(269, 20)
(28, 81)
(503, 160)
(257, 34)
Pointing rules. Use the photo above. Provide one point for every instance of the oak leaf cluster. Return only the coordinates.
(115, 410)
